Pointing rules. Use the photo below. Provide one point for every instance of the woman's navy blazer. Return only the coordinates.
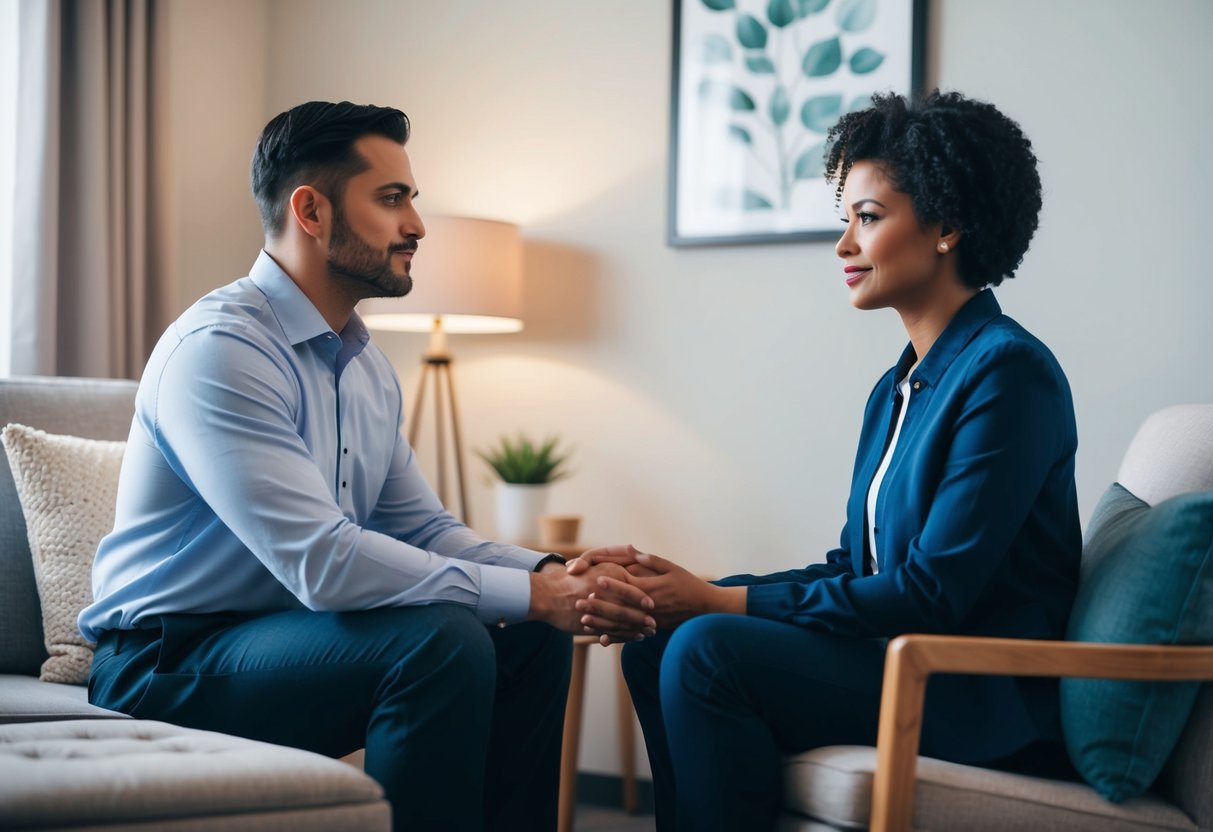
(976, 525)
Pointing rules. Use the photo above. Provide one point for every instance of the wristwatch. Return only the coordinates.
(550, 558)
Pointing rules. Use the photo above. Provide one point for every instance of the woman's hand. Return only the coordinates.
(623, 554)
(676, 593)
(622, 613)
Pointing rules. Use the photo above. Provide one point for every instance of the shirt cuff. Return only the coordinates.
(505, 595)
(529, 558)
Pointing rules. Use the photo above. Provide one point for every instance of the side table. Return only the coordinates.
(572, 735)
(573, 717)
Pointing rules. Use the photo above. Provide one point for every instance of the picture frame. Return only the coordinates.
(755, 87)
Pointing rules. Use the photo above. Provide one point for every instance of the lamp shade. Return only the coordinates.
(468, 272)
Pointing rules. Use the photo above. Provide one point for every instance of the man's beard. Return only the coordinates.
(352, 258)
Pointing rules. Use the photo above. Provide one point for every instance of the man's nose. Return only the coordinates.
(411, 224)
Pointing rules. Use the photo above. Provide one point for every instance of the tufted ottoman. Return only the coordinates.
(140, 775)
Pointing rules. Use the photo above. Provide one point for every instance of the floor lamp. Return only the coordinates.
(467, 278)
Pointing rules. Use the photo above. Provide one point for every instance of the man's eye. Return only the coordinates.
(393, 199)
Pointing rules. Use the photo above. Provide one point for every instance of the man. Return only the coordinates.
(278, 567)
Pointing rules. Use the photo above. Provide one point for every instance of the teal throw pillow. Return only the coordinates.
(1147, 578)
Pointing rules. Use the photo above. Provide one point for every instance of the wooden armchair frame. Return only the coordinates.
(911, 659)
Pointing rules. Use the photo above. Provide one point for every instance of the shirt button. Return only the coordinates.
(345, 450)
(343, 484)
(918, 385)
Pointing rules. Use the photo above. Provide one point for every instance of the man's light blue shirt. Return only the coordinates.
(265, 471)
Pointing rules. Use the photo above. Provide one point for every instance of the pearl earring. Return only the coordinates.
(943, 247)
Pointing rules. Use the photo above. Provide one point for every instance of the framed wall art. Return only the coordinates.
(756, 86)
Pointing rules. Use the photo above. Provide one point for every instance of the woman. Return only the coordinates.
(962, 515)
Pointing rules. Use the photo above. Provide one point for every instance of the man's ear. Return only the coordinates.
(310, 210)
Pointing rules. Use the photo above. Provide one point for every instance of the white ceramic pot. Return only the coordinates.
(519, 507)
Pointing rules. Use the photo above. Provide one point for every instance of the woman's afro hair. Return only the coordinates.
(964, 165)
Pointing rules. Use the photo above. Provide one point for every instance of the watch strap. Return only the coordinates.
(551, 557)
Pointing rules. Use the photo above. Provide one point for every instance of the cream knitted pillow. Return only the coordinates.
(68, 487)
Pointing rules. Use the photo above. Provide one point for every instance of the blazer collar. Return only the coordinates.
(968, 321)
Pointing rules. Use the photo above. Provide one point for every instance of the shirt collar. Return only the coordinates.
(300, 320)
(978, 311)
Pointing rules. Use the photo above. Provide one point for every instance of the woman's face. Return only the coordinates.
(891, 260)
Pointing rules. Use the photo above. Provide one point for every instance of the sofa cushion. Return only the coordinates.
(1186, 778)
(26, 699)
(92, 408)
(834, 785)
(68, 487)
(150, 775)
(1171, 454)
(1147, 578)
(21, 648)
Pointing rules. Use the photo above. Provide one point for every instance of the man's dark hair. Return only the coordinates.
(313, 144)
(964, 165)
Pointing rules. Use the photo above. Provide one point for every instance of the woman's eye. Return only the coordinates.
(866, 217)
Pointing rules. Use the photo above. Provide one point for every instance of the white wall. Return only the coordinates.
(1114, 96)
(714, 395)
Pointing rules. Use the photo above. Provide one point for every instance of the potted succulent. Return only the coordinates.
(526, 469)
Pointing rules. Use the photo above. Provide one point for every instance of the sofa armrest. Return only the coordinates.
(911, 659)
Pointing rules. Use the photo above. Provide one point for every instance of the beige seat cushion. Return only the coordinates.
(112, 773)
(834, 785)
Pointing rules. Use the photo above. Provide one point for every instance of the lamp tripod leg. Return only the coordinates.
(440, 368)
(458, 443)
(415, 419)
(440, 429)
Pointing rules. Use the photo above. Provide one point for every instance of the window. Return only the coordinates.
(8, 154)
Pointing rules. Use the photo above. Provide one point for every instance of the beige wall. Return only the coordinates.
(218, 67)
(714, 394)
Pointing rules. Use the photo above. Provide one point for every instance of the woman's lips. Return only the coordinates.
(855, 274)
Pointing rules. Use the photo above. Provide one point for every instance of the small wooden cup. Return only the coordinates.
(559, 529)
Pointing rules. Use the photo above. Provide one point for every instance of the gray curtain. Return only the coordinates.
(89, 287)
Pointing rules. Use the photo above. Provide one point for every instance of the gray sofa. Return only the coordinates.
(66, 764)
(92, 409)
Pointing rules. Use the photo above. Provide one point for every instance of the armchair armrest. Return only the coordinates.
(911, 659)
